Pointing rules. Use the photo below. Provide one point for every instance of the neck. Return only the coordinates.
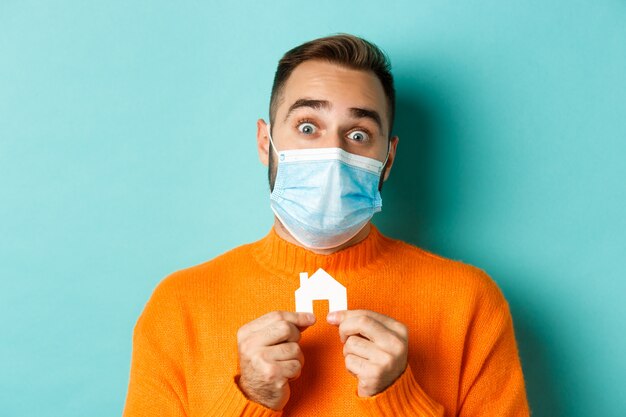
(284, 234)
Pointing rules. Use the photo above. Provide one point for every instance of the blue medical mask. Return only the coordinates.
(325, 196)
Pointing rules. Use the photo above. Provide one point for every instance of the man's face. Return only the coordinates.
(324, 105)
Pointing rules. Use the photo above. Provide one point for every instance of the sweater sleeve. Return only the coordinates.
(492, 383)
(157, 383)
(403, 398)
(233, 402)
(158, 374)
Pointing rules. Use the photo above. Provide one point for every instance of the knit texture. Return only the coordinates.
(463, 358)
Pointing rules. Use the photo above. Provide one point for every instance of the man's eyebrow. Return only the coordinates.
(360, 113)
(308, 102)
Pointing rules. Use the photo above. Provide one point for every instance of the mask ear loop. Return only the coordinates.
(382, 168)
(269, 135)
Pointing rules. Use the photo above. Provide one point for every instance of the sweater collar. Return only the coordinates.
(281, 257)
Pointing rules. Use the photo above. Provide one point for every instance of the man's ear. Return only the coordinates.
(393, 145)
(262, 141)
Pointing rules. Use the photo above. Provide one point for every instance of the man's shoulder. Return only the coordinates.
(197, 278)
(429, 259)
(454, 275)
(235, 258)
(189, 285)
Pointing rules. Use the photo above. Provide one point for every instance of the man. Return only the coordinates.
(423, 335)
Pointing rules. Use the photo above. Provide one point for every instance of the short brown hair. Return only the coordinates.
(342, 49)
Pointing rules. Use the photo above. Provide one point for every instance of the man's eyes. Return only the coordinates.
(309, 128)
(359, 135)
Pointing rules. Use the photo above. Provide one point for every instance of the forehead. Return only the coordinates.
(343, 87)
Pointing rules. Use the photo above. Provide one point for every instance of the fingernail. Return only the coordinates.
(310, 317)
(333, 317)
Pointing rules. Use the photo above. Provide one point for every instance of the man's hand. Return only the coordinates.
(269, 356)
(375, 348)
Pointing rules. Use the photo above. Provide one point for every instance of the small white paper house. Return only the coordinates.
(321, 286)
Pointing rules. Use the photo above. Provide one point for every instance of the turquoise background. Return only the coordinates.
(127, 151)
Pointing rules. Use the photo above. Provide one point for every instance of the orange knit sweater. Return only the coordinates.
(463, 358)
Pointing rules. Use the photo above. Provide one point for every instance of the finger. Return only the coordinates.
(300, 320)
(290, 369)
(365, 326)
(359, 346)
(356, 365)
(337, 317)
(284, 352)
(275, 333)
(383, 338)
